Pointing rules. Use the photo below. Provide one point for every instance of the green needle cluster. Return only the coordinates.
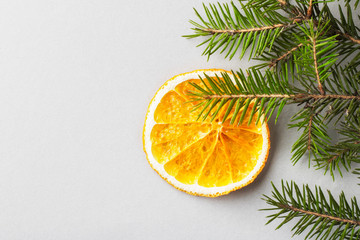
(319, 215)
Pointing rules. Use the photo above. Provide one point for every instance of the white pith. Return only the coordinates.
(195, 188)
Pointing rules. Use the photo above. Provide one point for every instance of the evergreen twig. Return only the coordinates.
(317, 215)
(228, 28)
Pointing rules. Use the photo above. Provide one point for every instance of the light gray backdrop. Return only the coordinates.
(76, 78)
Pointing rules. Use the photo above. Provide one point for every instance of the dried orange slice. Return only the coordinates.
(206, 158)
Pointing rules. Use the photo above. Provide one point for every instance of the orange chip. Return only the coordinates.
(209, 158)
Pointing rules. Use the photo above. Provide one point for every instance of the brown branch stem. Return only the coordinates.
(282, 2)
(256, 29)
(299, 96)
(309, 10)
(275, 61)
(344, 220)
(351, 38)
(316, 68)
(341, 152)
(237, 31)
(309, 133)
(337, 155)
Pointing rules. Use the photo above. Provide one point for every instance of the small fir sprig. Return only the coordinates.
(317, 214)
(344, 152)
(228, 29)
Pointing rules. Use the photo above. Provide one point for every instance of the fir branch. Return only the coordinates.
(318, 54)
(255, 86)
(270, 90)
(323, 217)
(314, 138)
(326, 216)
(312, 122)
(229, 29)
(281, 57)
(275, 61)
(343, 82)
(345, 152)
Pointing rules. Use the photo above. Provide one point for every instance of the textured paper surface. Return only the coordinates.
(76, 79)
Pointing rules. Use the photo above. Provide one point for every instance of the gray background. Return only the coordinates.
(76, 80)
